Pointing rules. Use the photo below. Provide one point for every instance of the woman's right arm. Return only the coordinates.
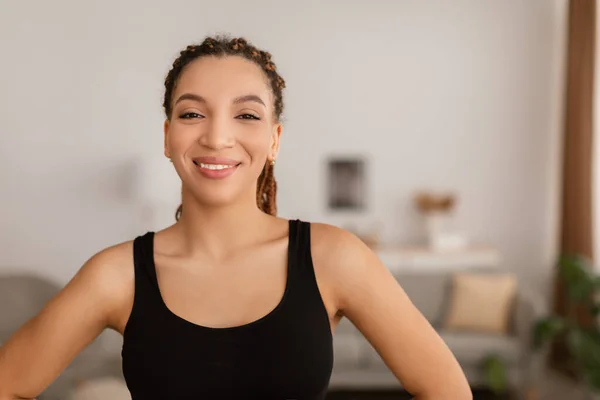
(94, 299)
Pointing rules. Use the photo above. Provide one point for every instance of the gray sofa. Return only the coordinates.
(358, 366)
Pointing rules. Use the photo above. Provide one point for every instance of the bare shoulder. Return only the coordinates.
(342, 261)
(110, 275)
(111, 265)
(335, 247)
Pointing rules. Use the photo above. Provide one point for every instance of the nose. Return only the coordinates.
(218, 134)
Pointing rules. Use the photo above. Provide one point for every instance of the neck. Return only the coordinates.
(219, 230)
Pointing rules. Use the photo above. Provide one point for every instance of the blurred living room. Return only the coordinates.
(455, 138)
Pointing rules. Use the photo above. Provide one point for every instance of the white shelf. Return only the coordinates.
(401, 259)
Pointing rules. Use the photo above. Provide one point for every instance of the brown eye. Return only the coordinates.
(247, 116)
(190, 115)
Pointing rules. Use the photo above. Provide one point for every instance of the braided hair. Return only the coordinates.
(222, 46)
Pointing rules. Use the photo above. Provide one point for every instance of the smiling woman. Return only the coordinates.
(231, 301)
(248, 58)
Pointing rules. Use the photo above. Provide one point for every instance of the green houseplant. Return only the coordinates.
(582, 338)
(494, 370)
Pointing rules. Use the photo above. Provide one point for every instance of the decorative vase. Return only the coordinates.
(434, 223)
(440, 235)
(436, 227)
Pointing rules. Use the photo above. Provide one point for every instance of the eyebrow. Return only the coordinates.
(249, 97)
(242, 99)
(190, 96)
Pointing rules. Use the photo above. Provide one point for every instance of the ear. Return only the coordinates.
(275, 135)
(166, 133)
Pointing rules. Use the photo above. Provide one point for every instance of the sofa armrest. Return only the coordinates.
(530, 307)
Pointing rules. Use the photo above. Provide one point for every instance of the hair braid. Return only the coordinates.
(221, 46)
(267, 190)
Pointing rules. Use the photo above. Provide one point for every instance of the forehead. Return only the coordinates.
(229, 76)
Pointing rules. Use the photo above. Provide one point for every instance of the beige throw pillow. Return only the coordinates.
(481, 302)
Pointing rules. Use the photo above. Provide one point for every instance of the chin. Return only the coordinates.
(218, 198)
(234, 189)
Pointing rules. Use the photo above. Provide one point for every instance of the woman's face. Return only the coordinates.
(222, 129)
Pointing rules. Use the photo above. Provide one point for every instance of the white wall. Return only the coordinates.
(463, 95)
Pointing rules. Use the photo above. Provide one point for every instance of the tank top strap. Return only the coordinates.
(299, 252)
(146, 298)
(300, 263)
(305, 295)
(143, 261)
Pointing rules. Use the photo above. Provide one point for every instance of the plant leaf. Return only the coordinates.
(590, 347)
(592, 378)
(575, 272)
(575, 344)
(495, 374)
(584, 346)
(547, 329)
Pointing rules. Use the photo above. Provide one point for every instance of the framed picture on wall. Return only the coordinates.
(346, 184)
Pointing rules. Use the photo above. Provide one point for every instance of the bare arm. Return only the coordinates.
(38, 352)
(372, 299)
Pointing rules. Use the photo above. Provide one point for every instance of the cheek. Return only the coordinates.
(256, 144)
(180, 138)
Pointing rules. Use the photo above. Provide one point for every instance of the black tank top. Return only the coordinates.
(285, 355)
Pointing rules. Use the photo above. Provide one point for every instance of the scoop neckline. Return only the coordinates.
(250, 324)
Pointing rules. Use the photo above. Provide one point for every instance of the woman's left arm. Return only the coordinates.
(368, 295)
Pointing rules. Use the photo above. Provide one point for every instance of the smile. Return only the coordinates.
(216, 171)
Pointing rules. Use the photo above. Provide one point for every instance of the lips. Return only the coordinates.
(216, 167)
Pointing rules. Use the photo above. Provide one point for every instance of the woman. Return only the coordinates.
(230, 301)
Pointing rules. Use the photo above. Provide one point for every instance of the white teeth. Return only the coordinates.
(215, 166)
